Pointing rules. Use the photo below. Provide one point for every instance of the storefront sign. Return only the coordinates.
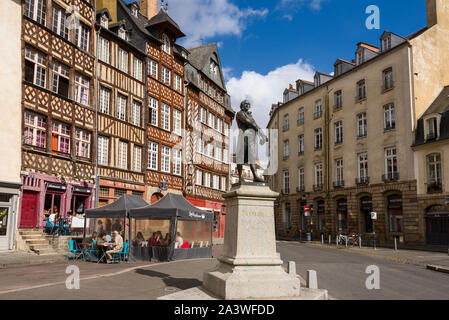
(197, 215)
(56, 186)
(82, 190)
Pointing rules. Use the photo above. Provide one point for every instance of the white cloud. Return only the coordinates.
(203, 19)
(264, 90)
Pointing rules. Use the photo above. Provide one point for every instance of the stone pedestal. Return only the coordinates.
(250, 267)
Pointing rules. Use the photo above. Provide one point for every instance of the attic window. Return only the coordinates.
(122, 33)
(431, 128)
(386, 43)
(338, 69)
(104, 22)
(360, 56)
(134, 11)
(213, 68)
(166, 44)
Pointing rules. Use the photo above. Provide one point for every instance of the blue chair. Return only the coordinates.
(73, 249)
(124, 253)
(49, 226)
(64, 228)
(91, 252)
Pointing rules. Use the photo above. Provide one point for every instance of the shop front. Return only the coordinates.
(219, 211)
(9, 194)
(437, 225)
(43, 195)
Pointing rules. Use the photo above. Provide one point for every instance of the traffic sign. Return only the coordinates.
(373, 215)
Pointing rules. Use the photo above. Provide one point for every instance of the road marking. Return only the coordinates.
(97, 276)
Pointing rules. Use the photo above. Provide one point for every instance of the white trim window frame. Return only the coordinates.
(286, 182)
(362, 161)
(82, 143)
(138, 66)
(178, 82)
(103, 150)
(362, 125)
(136, 113)
(123, 155)
(123, 60)
(301, 178)
(153, 155)
(388, 79)
(36, 10)
(177, 122)
(62, 133)
(105, 100)
(198, 177)
(81, 89)
(60, 22)
(207, 179)
(203, 115)
(177, 162)
(165, 117)
(389, 117)
(153, 68)
(223, 184)
(165, 159)
(60, 73)
(166, 45)
(35, 132)
(121, 107)
(301, 144)
(166, 75)
(339, 170)
(82, 35)
(391, 162)
(318, 168)
(216, 182)
(319, 139)
(137, 159)
(38, 60)
(153, 105)
(338, 132)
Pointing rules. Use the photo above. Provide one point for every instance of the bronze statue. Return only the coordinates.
(246, 148)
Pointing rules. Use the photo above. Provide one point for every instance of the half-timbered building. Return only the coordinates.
(58, 116)
(121, 109)
(209, 116)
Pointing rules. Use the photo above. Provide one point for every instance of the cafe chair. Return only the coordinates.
(73, 249)
(124, 253)
(91, 252)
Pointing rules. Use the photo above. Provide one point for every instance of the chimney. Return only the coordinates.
(432, 14)
(149, 8)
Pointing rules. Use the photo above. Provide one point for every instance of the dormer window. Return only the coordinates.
(431, 129)
(386, 43)
(104, 22)
(166, 46)
(360, 57)
(338, 69)
(213, 68)
(134, 11)
(122, 33)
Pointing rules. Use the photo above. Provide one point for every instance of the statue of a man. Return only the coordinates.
(246, 150)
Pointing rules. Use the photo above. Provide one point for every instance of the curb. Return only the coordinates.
(30, 262)
(437, 268)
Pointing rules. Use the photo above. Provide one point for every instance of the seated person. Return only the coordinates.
(154, 240)
(166, 241)
(179, 239)
(94, 236)
(108, 238)
(137, 242)
(117, 246)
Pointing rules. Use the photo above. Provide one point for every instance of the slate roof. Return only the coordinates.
(199, 58)
(439, 106)
(163, 17)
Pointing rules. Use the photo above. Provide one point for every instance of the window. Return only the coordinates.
(59, 23)
(35, 67)
(431, 129)
(318, 175)
(226, 129)
(152, 68)
(153, 103)
(301, 179)
(216, 180)
(82, 37)
(213, 68)
(339, 176)
(36, 10)
(338, 99)
(286, 122)
(301, 145)
(82, 143)
(318, 109)
(318, 139)
(389, 117)
(177, 161)
(121, 107)
(60, 137)
(122, 33)
(152, 155)
(203, 115)
(60, 79)
(209, 149)
(103, 49)
(103, 150)
(104, 22)
(286, 182)
(363, 167)
(391, 164)
(135, 11)
(166, 75)
(136, 111)
(288, 216)
(166, 46)
(35, 130)
(220, 125)
(165, 117)
(138, 69)
(434, 169)
(199, 177)
(338, 132)
(211, 120)
(81, 89)
(360, 57)
(223, 184)
(178, 83)
(286, 149)
(177, 122)
(388, 79)
(123, 155)
(301, 116)
(386, 43)
(218, 153)
(361, 90)
(105, 100)
(122, 60)
(165, 159)
(225, 155)
(362, 130)
(137, 163)
(394, 208)
(207, 179)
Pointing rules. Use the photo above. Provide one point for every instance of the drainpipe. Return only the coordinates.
(97, 178)
(327, 120)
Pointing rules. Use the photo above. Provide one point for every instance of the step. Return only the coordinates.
(32, 236)
(35, 247)
(36, 241)
(44, 252)
(30, 232)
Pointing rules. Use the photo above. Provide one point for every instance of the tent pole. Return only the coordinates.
(84, 232)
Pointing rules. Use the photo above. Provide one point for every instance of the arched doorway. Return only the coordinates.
(342, 215)
(366, 207)
(155, 197)
(437, 225)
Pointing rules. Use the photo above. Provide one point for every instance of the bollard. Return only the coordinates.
(322, 239)
(360, 242)
(330, 241)
(336, 241)
(346, 241)
(395, 244)
(312, 279)
(292, 268)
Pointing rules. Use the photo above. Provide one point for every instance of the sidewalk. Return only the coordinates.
(12, 259)
(436, 261)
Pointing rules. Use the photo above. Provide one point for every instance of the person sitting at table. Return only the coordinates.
(166, 241)
(137, 242)
(117, 245)
(94, 236)
(108, 238)
(179, 239)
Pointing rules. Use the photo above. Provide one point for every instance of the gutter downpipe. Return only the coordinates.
(97, 178)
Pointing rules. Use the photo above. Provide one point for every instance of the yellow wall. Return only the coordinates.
(10, 90)
(111, 5)
(421, 154)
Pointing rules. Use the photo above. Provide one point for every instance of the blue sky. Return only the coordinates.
(267, 44)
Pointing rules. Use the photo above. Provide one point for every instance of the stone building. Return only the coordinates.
(345, 142)
(10, 131)
(208, 117)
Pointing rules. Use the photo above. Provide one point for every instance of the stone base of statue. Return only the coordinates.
(250, 267)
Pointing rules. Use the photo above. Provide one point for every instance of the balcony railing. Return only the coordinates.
(300, 189)
(338, 107)
(318, 114)
(434, 187)
(285, 128)
(362, 181)
(362, 135)
(318, 187)
(338, 142)
(286, 191)
(300, 122)
(339, 184)
(300, 153)
(391, 176)
(431, 136)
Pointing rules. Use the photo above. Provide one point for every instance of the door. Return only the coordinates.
(28, 213)
(437, 230)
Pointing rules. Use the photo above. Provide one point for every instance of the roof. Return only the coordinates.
(163, 17)
(441, 103)
(345, 61)
(171, 206)
(368, 46)
(305, 81)
(417, 33)
(119, 208)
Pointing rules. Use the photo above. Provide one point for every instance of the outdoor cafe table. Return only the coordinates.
(102, 251)
(84, 248)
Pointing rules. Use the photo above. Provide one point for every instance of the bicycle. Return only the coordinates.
(354, 240)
